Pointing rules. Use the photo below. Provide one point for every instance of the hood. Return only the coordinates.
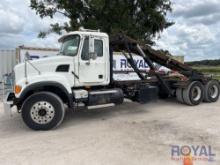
(43, 66)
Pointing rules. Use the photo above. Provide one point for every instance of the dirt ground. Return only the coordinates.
(129, 134)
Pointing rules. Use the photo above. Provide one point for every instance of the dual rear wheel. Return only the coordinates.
(211, 91)
(196, 92)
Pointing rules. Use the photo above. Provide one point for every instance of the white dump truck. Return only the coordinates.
(82, 73)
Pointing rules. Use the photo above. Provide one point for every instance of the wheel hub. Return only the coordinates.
(213, 92)
(42, 112)
(196, 93)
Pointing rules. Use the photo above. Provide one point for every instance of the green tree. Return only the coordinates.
(140, 19)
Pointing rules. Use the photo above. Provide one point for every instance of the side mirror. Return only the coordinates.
(91, 45)
(92, 54)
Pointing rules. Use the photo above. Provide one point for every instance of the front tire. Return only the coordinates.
(43, 111)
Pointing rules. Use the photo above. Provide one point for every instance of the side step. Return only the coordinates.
(99, 97)
(101, 106)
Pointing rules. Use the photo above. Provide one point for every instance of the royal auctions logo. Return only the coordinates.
(192, 153)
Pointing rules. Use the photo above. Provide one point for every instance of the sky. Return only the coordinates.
(195, 34)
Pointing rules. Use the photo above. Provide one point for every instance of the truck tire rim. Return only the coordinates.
(196, 93)
(213, 91)
(42, 112)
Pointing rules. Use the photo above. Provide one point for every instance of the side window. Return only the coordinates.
(85, 50)
(99, 48)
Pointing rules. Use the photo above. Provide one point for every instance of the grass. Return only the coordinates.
(213, 70)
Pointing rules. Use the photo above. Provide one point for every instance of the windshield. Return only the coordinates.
(70, 45)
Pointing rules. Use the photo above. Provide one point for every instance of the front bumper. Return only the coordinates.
(8, 103)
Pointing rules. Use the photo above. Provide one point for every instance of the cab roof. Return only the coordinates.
(83, 33)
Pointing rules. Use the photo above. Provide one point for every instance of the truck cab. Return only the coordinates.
(83, 60)
(89, 52)
(79, 73)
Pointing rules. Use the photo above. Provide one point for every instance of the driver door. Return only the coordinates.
(92, 65)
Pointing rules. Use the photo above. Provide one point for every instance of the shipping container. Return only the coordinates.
(34, 53)
(7, 62)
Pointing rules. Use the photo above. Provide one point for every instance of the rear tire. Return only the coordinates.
(194, 93)
(211, 93)
(43, 111)
(179, 95)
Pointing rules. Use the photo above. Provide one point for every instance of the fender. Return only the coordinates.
(40, 85)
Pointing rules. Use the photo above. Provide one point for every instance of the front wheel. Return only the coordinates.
(43, 111)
